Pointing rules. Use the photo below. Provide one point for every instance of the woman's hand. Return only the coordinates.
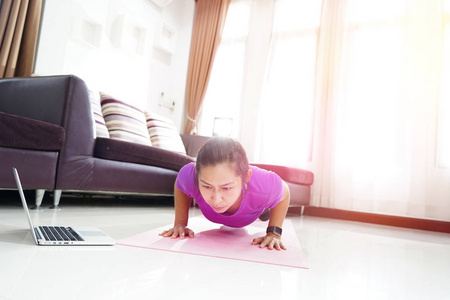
(270, 240)
(178, 231)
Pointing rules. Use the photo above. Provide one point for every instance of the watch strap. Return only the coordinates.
(275, 230)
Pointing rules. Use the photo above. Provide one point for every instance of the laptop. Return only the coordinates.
(63, 235)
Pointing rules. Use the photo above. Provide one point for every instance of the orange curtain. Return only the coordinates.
(209, 21)
(19, 27)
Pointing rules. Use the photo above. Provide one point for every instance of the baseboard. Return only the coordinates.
(405, 222)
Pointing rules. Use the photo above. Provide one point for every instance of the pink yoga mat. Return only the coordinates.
(219, 241)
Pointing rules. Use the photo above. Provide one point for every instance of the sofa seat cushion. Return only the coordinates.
(141, 154)
(25, 133)
(293, 175)
(37, 168)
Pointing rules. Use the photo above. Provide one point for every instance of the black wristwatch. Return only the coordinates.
(275, 230)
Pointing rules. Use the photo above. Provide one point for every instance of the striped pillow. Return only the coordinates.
(125, 122)
(100, 128)
(163, 133)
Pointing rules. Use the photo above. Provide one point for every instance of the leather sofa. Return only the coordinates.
(48, 135)
(81, 163)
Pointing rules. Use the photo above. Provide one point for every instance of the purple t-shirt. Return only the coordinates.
(264, 190)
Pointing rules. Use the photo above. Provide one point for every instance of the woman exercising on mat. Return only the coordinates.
(230, 192)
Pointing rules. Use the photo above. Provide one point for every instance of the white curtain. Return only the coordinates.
(354, 90)
(378, 147)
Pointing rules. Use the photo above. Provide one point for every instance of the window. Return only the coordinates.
(223, 96)
(267, 87)
(373, 107)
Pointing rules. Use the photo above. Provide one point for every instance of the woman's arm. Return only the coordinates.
(182, 205)
(277, 215)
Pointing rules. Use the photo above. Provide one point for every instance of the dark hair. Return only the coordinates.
(220, 150)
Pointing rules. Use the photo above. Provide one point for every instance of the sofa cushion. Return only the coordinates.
(141, 154)
(24, 133)
(293, 175)
(100, 128)
(124, 121)
(163, 133)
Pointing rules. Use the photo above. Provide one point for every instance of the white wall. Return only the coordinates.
(121, 48)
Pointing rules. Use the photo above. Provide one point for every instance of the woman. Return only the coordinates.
(230, 192)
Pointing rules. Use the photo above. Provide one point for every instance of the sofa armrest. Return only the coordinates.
(289, 174)
(24, 133)
(193, 143)
(38, 98)
(62, 100)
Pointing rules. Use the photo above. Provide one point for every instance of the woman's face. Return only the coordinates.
(221, 188)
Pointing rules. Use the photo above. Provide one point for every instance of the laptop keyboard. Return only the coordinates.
(58, 233)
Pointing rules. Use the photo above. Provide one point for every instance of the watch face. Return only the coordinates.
(277, 230)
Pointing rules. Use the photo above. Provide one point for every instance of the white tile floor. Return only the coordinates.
(347, 260)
